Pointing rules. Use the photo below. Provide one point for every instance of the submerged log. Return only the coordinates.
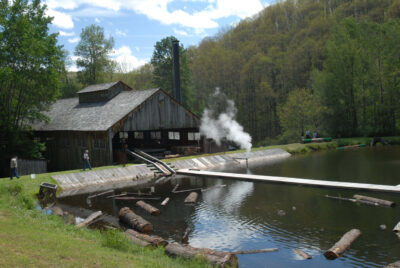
(302, 254)
(353, 200)
(264, 250)
(165, 201)
(396, 229)
(344, 243)
(89, 219)
(393, 265)
(213, 257)
(381, 202)
(134, 221)
(213, 187)
(175, 188)
(188, 190)
(192, 197)
(137, 198)
(151, 239)
(149, 208)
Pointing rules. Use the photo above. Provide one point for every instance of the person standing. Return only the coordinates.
(86, 161)
(14, 166)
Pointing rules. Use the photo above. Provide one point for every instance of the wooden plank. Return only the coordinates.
(89, 219)
(255, 251)
(295, 181)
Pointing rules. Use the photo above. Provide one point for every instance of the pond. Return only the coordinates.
(244, 215)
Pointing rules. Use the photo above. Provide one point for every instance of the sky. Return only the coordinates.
(136, 25)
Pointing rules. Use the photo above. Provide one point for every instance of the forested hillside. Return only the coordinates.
(338, 59)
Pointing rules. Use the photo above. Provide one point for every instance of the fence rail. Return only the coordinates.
(29, 166)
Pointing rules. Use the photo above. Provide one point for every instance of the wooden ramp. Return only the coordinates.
(295, 181)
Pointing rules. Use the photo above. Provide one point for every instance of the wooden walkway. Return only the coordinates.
(295, 181)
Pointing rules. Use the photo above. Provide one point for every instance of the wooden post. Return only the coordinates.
(134, 221)
(89, 219)
(221, 259)
(192, 197)
(152, 239)
(302, 254)
(344, 243)
(149, 208)
(381, 202)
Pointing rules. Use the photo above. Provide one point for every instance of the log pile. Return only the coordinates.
(344, 243)
(213, 257)
(134, 221)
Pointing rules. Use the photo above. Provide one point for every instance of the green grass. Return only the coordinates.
(29, 238)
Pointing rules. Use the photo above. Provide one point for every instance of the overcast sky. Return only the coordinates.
(136, 25)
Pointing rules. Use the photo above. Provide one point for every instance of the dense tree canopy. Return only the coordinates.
(30, 66)
(93, 55)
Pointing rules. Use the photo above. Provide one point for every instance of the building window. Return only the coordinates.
(139, 135)
(173, 135)
(155, 135)
(193, 136)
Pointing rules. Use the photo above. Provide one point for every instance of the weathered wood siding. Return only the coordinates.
(31, 166)
(65, 148)
(158, 112)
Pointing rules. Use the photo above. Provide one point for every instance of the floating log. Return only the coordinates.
(175, 188)
(396, 229)
(117, 195)
(152, 239)
(188, 190)
(149, 208)
(134, 221)
(89, 219)
(185, 237)
(353, 200)
(344, 243)
(264, 250)
(213, 187)
(137, 198)
(381, 202)
(302, 254)
(221, 259)
(393, 265)
(192, 197)
(165, 201)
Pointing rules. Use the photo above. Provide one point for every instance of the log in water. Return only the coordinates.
(302, 254)
(344, 243)
(149, 208)
(393, 265)
(134, 221)
(221, 259)
(192, 197)
(381, 202)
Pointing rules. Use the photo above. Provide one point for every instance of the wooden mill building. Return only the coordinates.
(105, 116)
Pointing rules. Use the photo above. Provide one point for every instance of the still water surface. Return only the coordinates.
(244, 215)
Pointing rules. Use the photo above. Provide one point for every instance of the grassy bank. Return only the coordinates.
(29, 238)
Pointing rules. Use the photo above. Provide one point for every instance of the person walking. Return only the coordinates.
(86, 161)
(13, 167)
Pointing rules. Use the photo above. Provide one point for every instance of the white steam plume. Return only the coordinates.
(218, 122)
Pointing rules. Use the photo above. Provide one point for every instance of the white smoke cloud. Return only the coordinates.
(218, 122)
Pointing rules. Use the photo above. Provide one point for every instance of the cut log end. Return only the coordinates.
(149, 208)
(342, 245)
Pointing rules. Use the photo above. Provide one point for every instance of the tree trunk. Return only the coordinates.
(152, 239)
(134, 221)
(192, 197)
(344, 243)
(218, 258)
(375, 200)
(138, 241)
(149, 208)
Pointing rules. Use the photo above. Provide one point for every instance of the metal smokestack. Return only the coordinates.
(177, 75)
